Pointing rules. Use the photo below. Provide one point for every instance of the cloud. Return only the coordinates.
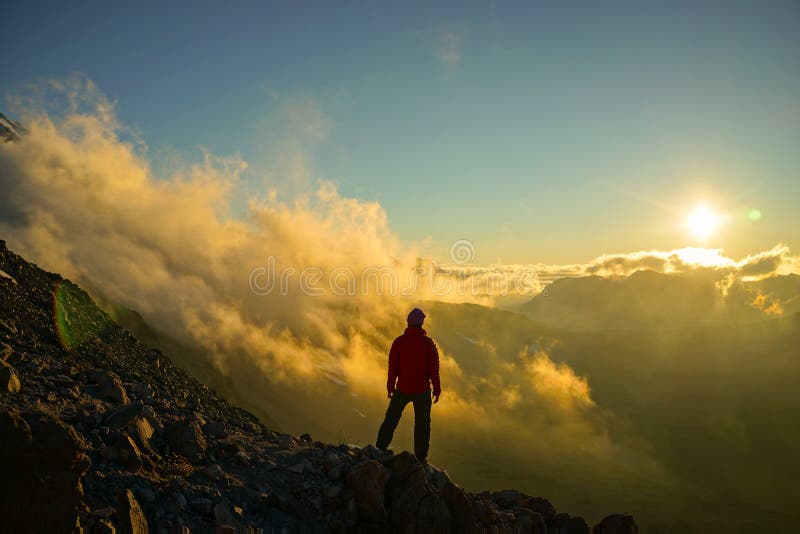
(449, 51)
(777, 260)
(288, 137)
(767, 304)
(85, 202)
(487, 284)
(558, 383)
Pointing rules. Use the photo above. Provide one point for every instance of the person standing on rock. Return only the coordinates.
(413, 368)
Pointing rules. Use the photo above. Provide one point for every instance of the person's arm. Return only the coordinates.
(433, 371)
(392, 380)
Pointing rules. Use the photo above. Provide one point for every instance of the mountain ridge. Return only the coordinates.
(649, 299)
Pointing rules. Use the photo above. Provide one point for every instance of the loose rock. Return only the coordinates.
(109, 387)
(9, 381)
(185, 438)
(131, 517)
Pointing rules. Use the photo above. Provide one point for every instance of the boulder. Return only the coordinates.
(297, 468)
(244, 459)
(486, 512)
(121, 416)
(437, 477)
(368, 479)
(131, 517)
(109, 453)
(372, 450)
(142, 390)
(542, 506)
(215, 429)
(202, 506)
(334, 472)
(213, 472)
(433, 515)
(141, 431)
(224, 513)
(508, 498)
(413, 505)
(103, 527)
(350, 514)
(109, 387)
(530, 521)
(460, 508)
(5, 351)
(44, 461)
(331, 491)
(567, 524)
(147, 494)
(616, 524)
(105, 512)
(9, 381)
(129, 454)
(285, 441)
(175, 503)
(186, 439)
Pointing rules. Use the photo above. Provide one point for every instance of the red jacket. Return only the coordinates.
(413, 363)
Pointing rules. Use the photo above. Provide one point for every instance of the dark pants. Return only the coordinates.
(422, 421)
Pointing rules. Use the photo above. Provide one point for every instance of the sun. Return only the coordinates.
(703, 222)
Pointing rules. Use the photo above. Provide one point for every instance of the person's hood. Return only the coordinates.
(415, 330)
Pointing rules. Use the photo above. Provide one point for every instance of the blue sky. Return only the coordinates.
(546, 132)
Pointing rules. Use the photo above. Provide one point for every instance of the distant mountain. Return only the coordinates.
(10, 130)
(647, 299)
(101, 433)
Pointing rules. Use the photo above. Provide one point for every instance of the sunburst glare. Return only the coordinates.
(703, 222)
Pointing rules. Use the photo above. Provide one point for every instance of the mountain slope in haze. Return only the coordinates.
(648, 299)
(101, 433)
(714, 404)
(10, 130)
(717, 406)
(190, 359)
(279, 405)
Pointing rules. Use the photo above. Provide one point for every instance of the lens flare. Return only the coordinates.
(73, 327)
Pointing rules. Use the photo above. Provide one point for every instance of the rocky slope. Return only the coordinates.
(101, 433)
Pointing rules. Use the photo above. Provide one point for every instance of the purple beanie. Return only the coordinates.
(416, 317)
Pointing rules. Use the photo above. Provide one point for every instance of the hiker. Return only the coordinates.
(413, 368)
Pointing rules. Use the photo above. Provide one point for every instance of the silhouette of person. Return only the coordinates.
(413, 368)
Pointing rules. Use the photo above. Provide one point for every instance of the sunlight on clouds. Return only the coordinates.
(702, 257)
(558, 383)
(491, 284)
(81, 198)
(510, 397)
(767, 304)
